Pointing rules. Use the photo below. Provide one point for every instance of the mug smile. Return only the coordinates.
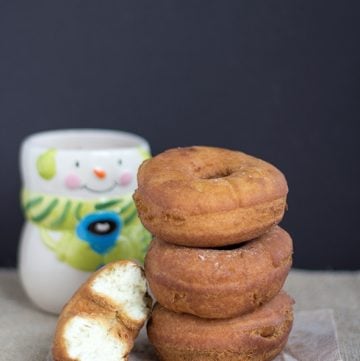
(90, 189)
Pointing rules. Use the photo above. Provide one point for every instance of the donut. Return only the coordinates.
(256, 336)
(209, 197)
(219, 283)
(103, 318)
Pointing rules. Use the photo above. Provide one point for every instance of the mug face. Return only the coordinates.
(77, 200)
(78, 170)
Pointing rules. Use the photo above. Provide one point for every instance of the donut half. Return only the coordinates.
(103, 318)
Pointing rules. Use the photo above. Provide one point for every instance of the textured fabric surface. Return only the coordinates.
(26, 333)
(313, 337)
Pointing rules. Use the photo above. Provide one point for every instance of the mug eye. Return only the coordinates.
(77, 164)
(119, 161)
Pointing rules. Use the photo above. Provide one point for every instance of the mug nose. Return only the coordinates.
(99, 172)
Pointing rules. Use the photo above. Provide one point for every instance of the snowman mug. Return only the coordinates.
(77, 200)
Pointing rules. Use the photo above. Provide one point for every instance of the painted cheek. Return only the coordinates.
(125, 178)
(72, 181)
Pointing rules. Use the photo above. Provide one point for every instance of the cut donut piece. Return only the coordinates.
(122, 289)
(256, 336)
(103, 318)
(88, 339)
(219, 283)
(209, 197)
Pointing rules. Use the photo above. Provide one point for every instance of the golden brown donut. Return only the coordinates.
(104, 316)
(219, 283)
(256, 336)
(209, 197)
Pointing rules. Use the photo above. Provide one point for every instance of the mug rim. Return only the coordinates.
(77, 139)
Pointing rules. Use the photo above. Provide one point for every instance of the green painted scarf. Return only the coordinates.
(60, 214)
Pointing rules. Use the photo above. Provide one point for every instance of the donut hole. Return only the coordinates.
(217, 173)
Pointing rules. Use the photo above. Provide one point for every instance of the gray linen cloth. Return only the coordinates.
(26, 332)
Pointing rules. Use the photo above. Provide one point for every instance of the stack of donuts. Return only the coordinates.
(218, 260)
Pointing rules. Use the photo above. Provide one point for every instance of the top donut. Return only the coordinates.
(209, 197)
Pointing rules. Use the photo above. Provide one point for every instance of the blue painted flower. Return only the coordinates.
(100, 230)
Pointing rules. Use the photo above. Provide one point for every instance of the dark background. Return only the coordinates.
(277, 79)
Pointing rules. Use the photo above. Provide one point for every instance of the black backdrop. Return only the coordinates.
(278, 79)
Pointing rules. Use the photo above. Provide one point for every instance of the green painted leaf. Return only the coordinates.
(33, 202)
(144, 153)
(42, 215)
(130, 217)
(107, 204)
(63, 215)
(78, 211)
(46, 164)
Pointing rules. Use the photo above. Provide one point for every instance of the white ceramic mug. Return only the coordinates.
(77, 199)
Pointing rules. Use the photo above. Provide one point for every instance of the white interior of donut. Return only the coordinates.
(125, 286)
(89, 340)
